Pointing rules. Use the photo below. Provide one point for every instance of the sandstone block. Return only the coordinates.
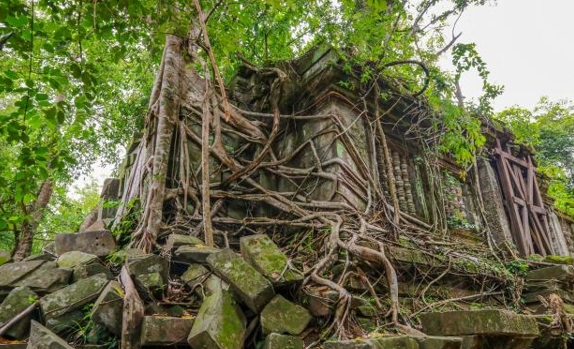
(220, 324)
(18, 300)
(279, 341)
(194, 254)
(73, 296)
(101, 243)
(266, 257)
(483, 322)
(75, 258)
(43, 338)
(251, 287)
(47, 278)
(282, 316)
(164, 330)
(12, 272)
(107, 310)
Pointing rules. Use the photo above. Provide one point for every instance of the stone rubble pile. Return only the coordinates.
(74, 297)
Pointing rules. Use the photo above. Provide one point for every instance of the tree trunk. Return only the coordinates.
(34, 211)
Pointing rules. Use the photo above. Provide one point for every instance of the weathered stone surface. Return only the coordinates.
(214, 284)
(43, 338)
(65, 322)
(4, 257)
(86, 270)
(220, 324)
(75, 258)
(440, 342)
(485, 322)
(175, 241)
(282, 316)
(558, 272)
(495, 215)
(195, 274)
(163, 330)
(252, 287)
(18, 300)
(150, 273)
(395, 342)
(12, 272)
(279, 341)
(101, 243)
(107, 310)
(47, 278)
(194, 254)
(40, 257)
(266, 257)
(73, 296)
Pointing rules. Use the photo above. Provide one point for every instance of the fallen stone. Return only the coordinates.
(558, 272)
(266, 257)
(282, 316)
(151, 285)
(483, 322)
(66, 322)
(43, 338)
(73, 296)
(101, 243)
(214, 284)
(107, 310)
(150, 273)
(4, 257)
(394, 342)
(40, 257)
(251, 287)
(75, 258)
(175, 241)
(18, 300)
(279, 341)
(47, 278)
(194, 275)
(86, 270)
(12, 272)
(163, 330)
(194, 254)
(220, 324)
(439, 342)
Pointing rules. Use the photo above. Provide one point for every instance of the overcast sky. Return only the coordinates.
(528, 46)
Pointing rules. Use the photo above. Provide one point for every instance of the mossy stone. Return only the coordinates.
(194, 254)
(43, 338)
(479, 322)
(174, 241)
(75, 258)
(73, 296)
(13, 272)
(280, 341)
(108, 308)
(220, 324)
(165, 330)
(194, 274)
(252, 288)
(47, 278)
(18, 299)
(283, 316)
(265, 256)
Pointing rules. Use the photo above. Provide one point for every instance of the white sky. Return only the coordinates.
(528, 46)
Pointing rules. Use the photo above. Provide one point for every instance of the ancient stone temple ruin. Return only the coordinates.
(480, 260)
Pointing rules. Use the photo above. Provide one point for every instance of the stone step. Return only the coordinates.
(399, 342)
(557, 272)
(479, 322)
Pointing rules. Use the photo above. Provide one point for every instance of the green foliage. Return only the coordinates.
(549, 130)
(518, 268)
